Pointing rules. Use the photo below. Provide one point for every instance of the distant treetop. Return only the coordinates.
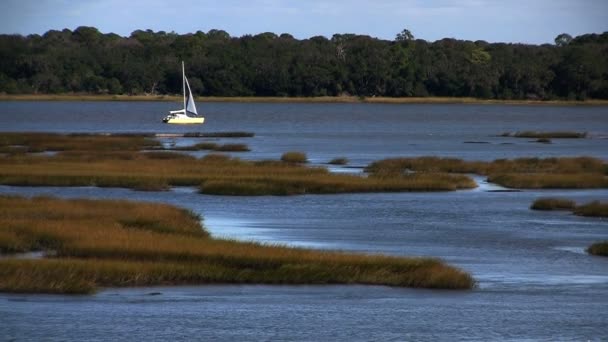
(563, 39)
(404, 35)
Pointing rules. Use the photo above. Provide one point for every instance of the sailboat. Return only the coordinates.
(188, 115)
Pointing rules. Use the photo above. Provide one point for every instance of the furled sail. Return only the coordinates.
(190, 106)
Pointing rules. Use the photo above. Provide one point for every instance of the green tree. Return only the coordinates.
(404, 35)
(563, 39)
(86, 60)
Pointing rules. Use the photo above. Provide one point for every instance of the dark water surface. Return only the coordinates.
(535, 280)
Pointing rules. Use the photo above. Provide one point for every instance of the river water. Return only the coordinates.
(535, 282)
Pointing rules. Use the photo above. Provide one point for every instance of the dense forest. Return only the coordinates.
(147, 62)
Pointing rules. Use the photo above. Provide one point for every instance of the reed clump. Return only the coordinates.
(41, 142)
(120, 162)
(550, 181)
(599, 249)
(197, 147)
(210, 146)
(120, 243)
(339, 161)
(396, 166)
(564, 165)
(236, 134)
(547, 203)
(233, 148)
(566, 172)
(214, 174)
(327, 183)
(546, 135)
(164, 155)
(294, 157)
(594, 209)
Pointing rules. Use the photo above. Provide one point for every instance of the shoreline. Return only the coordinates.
(323, 99)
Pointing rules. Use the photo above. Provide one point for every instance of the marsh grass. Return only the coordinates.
(163, 155)
(121, 243)
(196, 147)
(214, 174)
(595, 209)
(41, 142)
(599, 249)
(546, 135)
(210, 146)
(19, 143)
(533, 173)
(338, 161)
(294, 157)
(547, 203)
(117, 161)
(233, 148)
(233, 134)
(565, 165)
(550, 180)
(326, 183)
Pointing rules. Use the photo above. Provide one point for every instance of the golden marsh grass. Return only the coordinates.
(115, 161)
(214, 174)
(546, 135)
(339, 161)
(547, 203)
(591, 209)
(121, 243)
(529, 173)
(599, 249)
(210, 146)
(40, 142)
(89, 160)
(594, 209)
(294, 157)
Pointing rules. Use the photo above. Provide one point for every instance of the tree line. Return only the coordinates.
(147, 62)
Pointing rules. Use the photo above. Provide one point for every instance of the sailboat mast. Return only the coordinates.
(184, 85)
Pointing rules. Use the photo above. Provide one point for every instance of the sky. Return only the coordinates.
(517, 21)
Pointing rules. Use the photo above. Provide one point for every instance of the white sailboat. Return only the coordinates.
(188, 115)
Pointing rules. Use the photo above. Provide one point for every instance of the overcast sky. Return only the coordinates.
(526, 21)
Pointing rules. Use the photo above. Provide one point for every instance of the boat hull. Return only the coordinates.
(184, 121)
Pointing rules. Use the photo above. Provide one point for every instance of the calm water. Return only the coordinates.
(535, 281)
(360, 132)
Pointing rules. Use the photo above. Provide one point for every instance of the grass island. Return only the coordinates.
(112, 243)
